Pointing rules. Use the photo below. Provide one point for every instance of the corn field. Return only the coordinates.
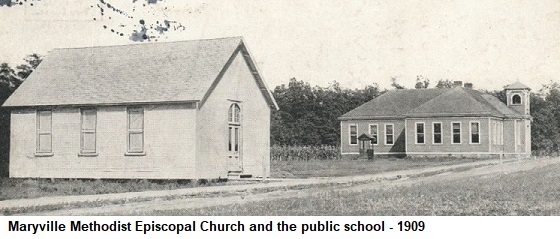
(304, 153)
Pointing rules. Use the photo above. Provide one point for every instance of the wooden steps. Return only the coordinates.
(238, 175)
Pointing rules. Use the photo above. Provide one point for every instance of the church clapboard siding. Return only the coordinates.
(146, 111)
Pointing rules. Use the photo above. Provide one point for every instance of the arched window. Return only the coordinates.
(516, 100)
(234, 138)
(234, 114)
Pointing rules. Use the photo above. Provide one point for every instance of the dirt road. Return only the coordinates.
(247, 195)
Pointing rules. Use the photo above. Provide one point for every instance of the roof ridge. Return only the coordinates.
(448, 102)
(486, 102)
(432, 99)
(122, 74)
(148, 43)
(470, 92)
(498, 101)
(454, 91)
(395, 107)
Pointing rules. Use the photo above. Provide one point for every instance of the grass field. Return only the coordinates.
(337, 168)
(33, 188)
(14, 188)
(535, 192)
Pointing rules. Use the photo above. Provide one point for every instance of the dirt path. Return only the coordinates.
(9, 207)
(248, 196)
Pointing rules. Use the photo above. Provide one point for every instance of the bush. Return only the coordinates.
(305, 153)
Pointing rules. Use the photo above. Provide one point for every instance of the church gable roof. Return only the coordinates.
(139, 73)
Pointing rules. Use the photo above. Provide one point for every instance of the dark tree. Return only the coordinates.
(10, 79)
(444, 83)
(396, 85)
(6, 3)
(8, 82)
(421, 82)
(33, 61)
(545, 110)
(309, 115)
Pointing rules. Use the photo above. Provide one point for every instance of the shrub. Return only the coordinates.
(305, 153)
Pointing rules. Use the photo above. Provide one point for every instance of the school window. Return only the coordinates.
(135, 130)
(501, 132)
(44, 132)
(389, 134)
(475, 133)
(88, 131)
(437, 133)
(518, 132)
(373, 133)
(498, 132)
(353, 134)
(419, 133)
(456, 131)
(494, 133)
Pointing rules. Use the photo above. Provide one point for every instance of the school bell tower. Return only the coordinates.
(518, 97)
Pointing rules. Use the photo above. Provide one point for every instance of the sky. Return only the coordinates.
(354, 42)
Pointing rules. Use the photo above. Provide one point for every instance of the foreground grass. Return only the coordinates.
(535, 192)
(11, 188)
(338, 168)
(15, 188)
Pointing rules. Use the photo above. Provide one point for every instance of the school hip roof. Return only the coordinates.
(423, 103)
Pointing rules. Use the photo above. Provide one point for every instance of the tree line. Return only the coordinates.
(308, 114)
(10, 80)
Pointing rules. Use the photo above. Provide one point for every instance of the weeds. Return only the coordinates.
(337, 168)
(14, 188)
(535, 192)
(304, 153)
